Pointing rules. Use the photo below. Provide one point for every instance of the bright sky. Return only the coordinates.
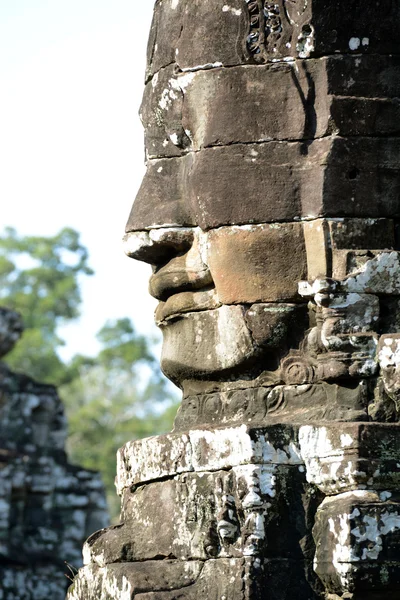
(71, 143)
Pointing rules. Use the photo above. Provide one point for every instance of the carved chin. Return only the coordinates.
(206, 343)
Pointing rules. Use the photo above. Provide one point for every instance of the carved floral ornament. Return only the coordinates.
(271, 27)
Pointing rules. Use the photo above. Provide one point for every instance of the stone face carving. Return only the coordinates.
(269, 213)
(48, 506)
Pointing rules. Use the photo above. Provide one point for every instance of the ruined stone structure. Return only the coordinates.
(270, 215)
(47, 506)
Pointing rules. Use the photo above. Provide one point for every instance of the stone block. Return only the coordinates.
(338, 456)
(390, 314)
(307, 403)
(330, 452)
(249, 496)
(206, 449)
(347, 456)
(274, 181)
(269, 261)
(271, 180)
(345, 315)
(133, 579)
(301, 401)
(357, 537)
(163, 38)
(318, 248)
(353, 242)
(177, 580)
(356, 234)
(251, 104)
(373, 116)
(366, 76)
(206, 515)
(188, 33)
(361, 178)
(347, 27)
(271, 324)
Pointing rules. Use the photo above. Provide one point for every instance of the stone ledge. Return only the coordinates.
(337, 457)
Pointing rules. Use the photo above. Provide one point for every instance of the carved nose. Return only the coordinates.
(158, 246)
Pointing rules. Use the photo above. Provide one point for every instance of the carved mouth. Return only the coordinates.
(184, 302)
(168, 282)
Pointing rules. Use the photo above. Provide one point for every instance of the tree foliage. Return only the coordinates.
(40, 278)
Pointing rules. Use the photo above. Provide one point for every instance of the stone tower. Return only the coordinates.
(270, 215)
(47, 506)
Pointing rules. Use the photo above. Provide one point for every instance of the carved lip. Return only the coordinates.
(184, 302)
(169, 281)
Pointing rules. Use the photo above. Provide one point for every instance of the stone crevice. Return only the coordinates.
(289, 60)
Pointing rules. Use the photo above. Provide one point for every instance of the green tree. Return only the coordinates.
(40, 278)
(118, 396)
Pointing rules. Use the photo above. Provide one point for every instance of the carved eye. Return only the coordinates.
(255, 19)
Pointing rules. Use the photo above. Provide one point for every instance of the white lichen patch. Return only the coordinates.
(185, 80)
(206, 66)
(354, 43)
(221, 447)
(233, 340)
(328, 459)
(167, 96)
(357, 534)
(234, 11)
(342, 554)
(380, 275)
(154, 81)
(346, 440)
(371, 530)
(389, 353)
(137, 242)
(385, 496)
(152, 458)
(305, 42)
(174, 139)
(265, 452)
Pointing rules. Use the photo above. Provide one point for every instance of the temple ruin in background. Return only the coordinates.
(47, 506)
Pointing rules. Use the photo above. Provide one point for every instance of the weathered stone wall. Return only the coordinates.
(47, 506)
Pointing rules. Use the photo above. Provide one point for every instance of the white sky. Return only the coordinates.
(71, 143)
